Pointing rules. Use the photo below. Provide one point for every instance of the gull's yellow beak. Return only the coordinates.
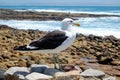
(76, 24)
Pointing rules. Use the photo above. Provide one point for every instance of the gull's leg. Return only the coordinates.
(60, 68)
(54, 56)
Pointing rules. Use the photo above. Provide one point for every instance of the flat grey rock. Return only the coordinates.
(92, 73)
(37, 76)
(52, 72)
(38, 68)
(18, 71)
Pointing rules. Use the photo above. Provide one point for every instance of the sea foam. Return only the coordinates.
(103, 26)
(71, 11)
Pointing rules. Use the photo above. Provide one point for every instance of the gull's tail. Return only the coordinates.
(21, 48)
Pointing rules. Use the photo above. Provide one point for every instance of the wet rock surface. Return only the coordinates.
(102, 53)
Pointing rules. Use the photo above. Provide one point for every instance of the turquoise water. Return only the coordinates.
(78, 8)
(102, 26)
(74, 9)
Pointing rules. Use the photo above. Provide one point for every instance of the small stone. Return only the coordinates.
(22, 63)
(17, 71)
(77, 68)
(37, 76)
(68, 67)
(92, 51)
(110, 78)
(115, 62)
(10, 64)
(3, 66)
(29, 63)
(38, 68)
(99, 53)
(92, 73)
(6, 56)
(84, 43)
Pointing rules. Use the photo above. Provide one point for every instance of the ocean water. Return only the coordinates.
(115, 10)
(101, 26)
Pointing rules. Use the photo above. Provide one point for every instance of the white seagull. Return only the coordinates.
(53, 42)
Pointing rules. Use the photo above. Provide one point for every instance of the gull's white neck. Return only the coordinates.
(66, 27)
(69, 30)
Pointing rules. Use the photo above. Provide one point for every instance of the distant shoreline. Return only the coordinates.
(8, 14)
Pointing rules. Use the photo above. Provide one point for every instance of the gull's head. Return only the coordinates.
(67, 23)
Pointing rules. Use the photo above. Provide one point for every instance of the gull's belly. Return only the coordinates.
(65, 44)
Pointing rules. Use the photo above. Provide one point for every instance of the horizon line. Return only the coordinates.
(64, 5)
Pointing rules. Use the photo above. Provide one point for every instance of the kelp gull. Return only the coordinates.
(53, 42)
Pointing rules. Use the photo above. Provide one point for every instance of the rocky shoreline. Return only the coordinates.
(7, 14)
(90, 51)
(96, 52)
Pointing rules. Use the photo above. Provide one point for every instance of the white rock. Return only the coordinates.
(92, 73)
(52, 72)
(78, 69)
(18, 71)
(110, 78)
(69, 73)
(38, 68)
(37, 76)
(22, 77)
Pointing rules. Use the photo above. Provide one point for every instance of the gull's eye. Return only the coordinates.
(71, 21)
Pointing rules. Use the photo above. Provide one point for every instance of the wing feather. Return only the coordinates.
(49, 41)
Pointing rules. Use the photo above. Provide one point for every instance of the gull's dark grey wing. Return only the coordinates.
(49, 41)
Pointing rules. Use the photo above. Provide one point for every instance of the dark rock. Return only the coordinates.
(68, 67)
(2, 74)
(104, 60)
(38, 68)
(4, 27)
